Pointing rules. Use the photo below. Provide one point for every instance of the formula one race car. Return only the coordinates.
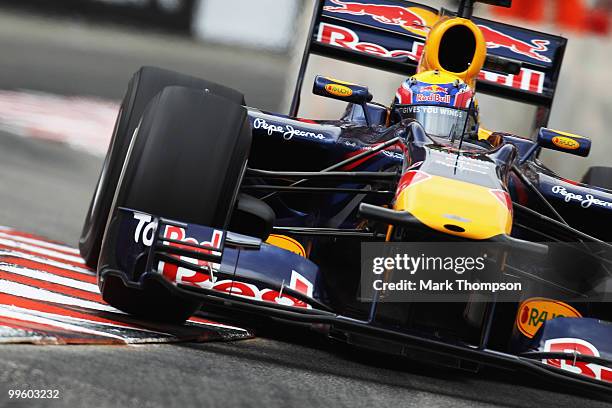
(204, 203)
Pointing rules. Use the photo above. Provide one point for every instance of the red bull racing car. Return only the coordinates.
(207, 204)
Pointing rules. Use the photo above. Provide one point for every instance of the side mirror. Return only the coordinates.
(564, 142)
(343, 91)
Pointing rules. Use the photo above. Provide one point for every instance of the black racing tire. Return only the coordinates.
(186, 163)
(144, 85)
(599, 177)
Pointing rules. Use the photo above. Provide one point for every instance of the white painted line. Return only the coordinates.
(7, 312)
(49, 277)
(55, 316)
(214, 324)
(18, 289)
(48, 252)
(46, 261)
(44, 244)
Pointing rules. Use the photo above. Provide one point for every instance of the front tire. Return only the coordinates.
(144, 85)
(186, 163)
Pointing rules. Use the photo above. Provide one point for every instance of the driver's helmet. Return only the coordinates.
(438, 101)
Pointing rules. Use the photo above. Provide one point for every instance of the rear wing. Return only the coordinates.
(390, 35)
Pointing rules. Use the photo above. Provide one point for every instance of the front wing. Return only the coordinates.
(207, 264)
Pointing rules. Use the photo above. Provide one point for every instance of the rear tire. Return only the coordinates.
(143, 86)
(599, 177)
(186, 163)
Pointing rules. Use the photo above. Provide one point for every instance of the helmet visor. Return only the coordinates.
(437, 120)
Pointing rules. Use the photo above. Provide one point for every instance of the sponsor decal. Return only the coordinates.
(288, 131)
(250, 291)
(287, 243)
(432, 110)
(581, 347)
(437, 98)
(532, 49)
(200, 279)
(338, 90)
(145, 230)
(414, 20)
(586, 201)
(330, 34)
(534, 312)
(342, 37)
(247, 290)
(464, 163)
(174, 273)
(434, 89)
(565, 143)
(385, 14)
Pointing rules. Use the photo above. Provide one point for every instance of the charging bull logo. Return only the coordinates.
(532, 49)
(434, 89)
(391, 15)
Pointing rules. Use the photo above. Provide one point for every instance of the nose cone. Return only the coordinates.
(457, 208)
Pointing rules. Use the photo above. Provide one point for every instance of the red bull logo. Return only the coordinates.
(577, 346)
(343, 37)
(532, 49)
(436, 98)
(405, 17)
(434, 89)
(385, 14)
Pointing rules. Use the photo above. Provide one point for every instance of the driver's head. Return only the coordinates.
(437, 101)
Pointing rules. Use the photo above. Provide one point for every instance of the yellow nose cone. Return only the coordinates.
(457, 208)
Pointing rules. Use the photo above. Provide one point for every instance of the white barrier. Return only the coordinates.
(262, 24)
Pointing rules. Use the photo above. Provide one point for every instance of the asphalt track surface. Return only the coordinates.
(45, 189)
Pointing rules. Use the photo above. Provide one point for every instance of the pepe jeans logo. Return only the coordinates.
(288, 131)
(586, 201)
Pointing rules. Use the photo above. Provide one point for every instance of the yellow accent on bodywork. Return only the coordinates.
(484, 134)
(439, 201)
(560, 133)
(435, 77)
(287, 243)
(340, 82)
(430, 18)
